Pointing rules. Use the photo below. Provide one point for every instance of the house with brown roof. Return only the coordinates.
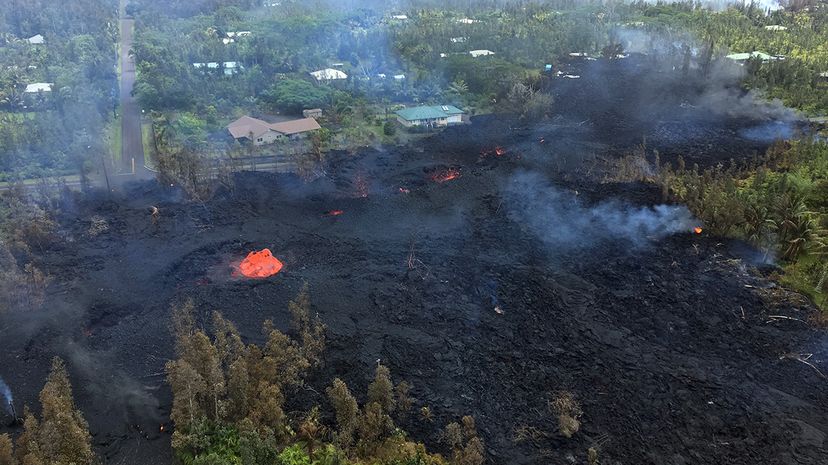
(261, 132)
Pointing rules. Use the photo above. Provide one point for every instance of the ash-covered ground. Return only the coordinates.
(664, 336)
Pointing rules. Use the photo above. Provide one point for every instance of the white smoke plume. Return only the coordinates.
(6, 393)
(561, 219)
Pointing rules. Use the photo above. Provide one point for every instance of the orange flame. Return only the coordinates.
(261, 264)
(162, 428)
(446, 175)
(698, 230)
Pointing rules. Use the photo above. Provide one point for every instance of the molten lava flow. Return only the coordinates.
(445, 175)
(334, 212)
(500, 151)
(260, 264)
(697, 230)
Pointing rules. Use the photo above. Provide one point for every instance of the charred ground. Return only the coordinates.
(667, 342)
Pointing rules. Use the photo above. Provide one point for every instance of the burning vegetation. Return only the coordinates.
(444, 175)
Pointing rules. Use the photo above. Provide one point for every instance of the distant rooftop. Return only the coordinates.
(755, 54)
(428, 112)
(39, 87)
(329, 74)
(481, 53)
(36, 39)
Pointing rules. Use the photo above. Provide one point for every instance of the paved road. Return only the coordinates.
(132, 147)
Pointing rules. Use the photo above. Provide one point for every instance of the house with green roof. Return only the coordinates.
(430, 116)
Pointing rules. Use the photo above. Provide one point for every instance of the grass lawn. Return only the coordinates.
(115, 141)
(146, 138)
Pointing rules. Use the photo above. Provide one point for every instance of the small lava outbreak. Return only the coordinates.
(448, 174)
(261, 264)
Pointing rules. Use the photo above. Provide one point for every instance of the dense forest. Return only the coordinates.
(56, 130)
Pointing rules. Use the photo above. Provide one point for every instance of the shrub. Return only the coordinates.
(568, 411)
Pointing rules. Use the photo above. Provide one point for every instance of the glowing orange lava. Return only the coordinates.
(261, 264)
(697, 230)
(334, 212)
(445, 175)
(500, 151)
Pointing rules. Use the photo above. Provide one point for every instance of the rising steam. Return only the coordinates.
(7, 396)
(560, 219)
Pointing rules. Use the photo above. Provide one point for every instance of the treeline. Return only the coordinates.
(59, 437)
(779, 204)
(59, 130)
(26, 228)
(229, 402)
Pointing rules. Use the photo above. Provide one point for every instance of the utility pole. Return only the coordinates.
(106, 174)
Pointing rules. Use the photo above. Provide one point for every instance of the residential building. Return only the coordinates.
(430, 116)
(481, 53)
(329, 74)
(36, 40)
(39, 87)
(743, 57)
(312, 113)
(261, 132)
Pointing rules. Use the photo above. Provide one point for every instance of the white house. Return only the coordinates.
(39, 87)
(481, 53)
(459, 40)
(743, 57)
(36, 40)
(467, 21)
(430, 116)
(329, 74)
(776, 27)
(400, 17)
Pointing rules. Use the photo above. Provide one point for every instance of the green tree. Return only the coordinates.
(6, 451)
(381, 390)
(346, 411)
(311, 330)
(295, 95)
(62, 436)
